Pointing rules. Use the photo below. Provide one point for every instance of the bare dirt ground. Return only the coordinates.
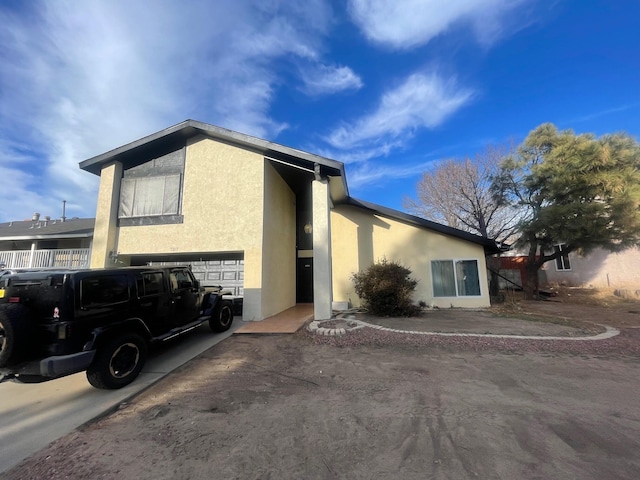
(375, 405)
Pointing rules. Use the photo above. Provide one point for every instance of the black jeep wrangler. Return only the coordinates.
(55, 323)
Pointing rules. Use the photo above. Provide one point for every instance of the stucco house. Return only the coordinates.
(598, 269)
(276, 223)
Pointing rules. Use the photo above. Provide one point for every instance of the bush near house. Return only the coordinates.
(386, 288)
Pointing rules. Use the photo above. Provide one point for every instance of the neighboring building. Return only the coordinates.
(276, 223)
(599, 269)
(45, 243)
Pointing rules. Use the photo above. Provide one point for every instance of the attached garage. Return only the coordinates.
(226, 270)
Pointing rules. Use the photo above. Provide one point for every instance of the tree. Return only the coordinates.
(458, 193)
(576, 190)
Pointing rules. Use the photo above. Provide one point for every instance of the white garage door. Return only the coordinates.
(227, 272)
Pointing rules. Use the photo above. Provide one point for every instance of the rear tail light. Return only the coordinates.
(14, 299)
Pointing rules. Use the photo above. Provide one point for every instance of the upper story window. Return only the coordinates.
(148, 196)
(151, 193)
(562, 262)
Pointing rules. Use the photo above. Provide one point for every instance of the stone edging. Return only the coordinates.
(314, 327)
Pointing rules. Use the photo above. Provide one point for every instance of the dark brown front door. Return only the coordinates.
(305, 281)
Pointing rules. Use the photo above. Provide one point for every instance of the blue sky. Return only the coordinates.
(388, 87)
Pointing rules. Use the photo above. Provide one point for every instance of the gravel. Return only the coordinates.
(627, 344)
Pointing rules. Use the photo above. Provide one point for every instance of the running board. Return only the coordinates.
(176, 332)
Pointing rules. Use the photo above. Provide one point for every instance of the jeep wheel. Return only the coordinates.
(118, 362)
(222, 317)
(16, 326)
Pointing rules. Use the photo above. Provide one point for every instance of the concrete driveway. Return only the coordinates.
(32, 416)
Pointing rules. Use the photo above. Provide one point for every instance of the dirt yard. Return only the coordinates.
(370, 405)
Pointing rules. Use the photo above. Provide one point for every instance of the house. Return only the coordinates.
(276, 223)
(599, 268)
(46, 243)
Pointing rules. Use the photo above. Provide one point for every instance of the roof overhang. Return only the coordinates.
(490, 246)
(175, 137)
(59, 236)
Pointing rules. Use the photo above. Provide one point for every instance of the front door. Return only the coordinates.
(305, 281)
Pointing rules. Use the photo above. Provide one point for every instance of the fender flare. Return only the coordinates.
(133, 325)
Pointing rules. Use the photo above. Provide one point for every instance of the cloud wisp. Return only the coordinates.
(329, 79)
(410, 23)
(421, 101)
(362, 175)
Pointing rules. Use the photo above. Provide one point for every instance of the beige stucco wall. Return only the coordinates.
(105, 232)
(360, 238)
(279, 244)
(599, 268)
(222, 205)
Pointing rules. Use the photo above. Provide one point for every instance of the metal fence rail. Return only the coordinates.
(73, 258)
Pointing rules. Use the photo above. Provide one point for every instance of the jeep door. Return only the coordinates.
(185, 296)
(154, 301)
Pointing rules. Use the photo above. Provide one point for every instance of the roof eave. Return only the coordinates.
(57, 236)
(175, 135)
(490, 246)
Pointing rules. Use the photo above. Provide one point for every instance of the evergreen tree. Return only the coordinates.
(576, 190)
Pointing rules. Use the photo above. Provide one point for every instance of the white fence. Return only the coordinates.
(73, 258)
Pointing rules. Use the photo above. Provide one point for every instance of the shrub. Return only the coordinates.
(386, 288)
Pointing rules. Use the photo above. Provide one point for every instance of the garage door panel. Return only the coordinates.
(228, 273)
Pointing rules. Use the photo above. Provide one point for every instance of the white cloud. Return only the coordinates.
(410, 23)
(421, 101)
(364, 175)
(328, 79)
(81, 78)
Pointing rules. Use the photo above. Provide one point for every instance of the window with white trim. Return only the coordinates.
(455, 278)
(562, 262)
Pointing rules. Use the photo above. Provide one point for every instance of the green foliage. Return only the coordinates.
(577, 190)
(386, 289)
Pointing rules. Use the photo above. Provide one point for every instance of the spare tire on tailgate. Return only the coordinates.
(16, 329)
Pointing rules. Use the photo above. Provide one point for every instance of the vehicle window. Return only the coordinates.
(97, 291)
(180, 279)
(151, 284)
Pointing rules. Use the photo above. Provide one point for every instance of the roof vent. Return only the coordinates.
(36, 217)
(47, 218)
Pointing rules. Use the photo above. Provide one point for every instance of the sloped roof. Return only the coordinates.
(172, 138)
(175, 137)
(489, 245)
(52, 229)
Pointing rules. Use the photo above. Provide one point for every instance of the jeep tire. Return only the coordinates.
(16, 328)
(222, 317)
(118, 362)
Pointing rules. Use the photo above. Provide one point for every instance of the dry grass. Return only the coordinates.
(594, 297)
(598, 297)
